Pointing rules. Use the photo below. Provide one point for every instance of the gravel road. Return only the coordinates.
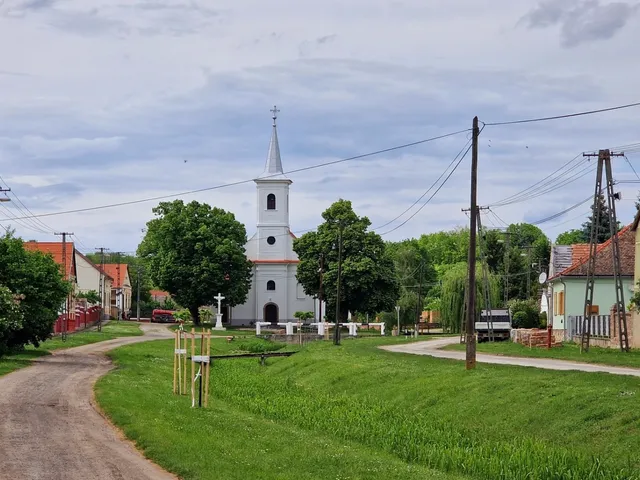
(433, 349)
(49, 429)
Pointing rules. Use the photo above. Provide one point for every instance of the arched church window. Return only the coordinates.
(271, 285)
(271, 202)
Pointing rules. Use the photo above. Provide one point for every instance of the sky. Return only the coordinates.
(107, 102)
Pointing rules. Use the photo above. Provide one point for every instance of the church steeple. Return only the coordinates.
(273, 166)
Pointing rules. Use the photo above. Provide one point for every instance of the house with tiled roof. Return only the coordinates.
(121, 288)
(64, 255)
(159, 296)
(90, 276)
(568, 285)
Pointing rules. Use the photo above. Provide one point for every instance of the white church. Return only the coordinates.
(275, 293)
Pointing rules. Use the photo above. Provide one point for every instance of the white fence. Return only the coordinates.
(600, 326)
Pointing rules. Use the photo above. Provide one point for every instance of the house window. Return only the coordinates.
(271, 240)
(271, 285)
(271, 202)
(561, 303)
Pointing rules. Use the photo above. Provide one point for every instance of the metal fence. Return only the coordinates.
(600, 326)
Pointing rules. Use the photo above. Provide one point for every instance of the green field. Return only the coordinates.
(568, 351)
(109, 331)
(358, 412)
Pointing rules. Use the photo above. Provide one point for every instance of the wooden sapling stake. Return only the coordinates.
(207, 370)
(184, 363)
(175, 360)
(193, 364)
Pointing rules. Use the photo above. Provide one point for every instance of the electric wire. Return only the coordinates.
(559, 214)
(559, 117)
(432, 195)
(428, 190)
(241, 182)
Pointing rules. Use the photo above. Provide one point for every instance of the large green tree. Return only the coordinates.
(194, 252)
(36, 282)
(603, 229)
(368, 282)
(571, 237)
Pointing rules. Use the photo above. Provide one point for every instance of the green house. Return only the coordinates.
(567, 285)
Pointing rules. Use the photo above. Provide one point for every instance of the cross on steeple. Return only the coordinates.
(275, 111)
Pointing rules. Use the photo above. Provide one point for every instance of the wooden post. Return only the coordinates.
(184, 363)
(208, 370)
(176, 361)
(193, 353)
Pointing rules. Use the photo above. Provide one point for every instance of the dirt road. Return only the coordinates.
(433, 349)
(49, 429)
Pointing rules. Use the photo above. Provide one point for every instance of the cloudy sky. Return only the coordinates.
(104, 103)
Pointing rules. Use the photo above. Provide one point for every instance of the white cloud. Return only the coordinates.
(103, 103)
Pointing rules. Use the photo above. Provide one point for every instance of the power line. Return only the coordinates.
(559, 214)
(428, 190)
(558, 117)
(241, 182)
(433, 195)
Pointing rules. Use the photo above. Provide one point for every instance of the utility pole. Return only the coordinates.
(470, 336)
(138, 294)
(528, 255)
(102, 285)
(119, 289)
(604, 162)
(67, 303)
(320, 296)
(419, 305)
(336, 337)
(4, 198)
(506, 265)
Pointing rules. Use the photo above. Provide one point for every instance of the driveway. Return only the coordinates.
(49, 429)
(433, 349)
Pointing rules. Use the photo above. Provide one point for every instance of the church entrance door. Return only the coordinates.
(271, 313)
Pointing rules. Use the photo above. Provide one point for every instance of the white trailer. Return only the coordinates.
(500, 321)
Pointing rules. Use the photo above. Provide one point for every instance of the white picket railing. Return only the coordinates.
(599, 326)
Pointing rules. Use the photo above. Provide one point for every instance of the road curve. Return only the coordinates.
(433, 349)
(49, 428)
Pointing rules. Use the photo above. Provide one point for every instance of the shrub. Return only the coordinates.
(525, 313)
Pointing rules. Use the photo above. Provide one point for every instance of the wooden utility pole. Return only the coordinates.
(320, 319)
(470, 335)
(336, 334)
(66, 276)
(138, 295)
(102, 289)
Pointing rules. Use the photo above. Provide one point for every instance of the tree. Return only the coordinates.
(302, 316)
(454, 283)
(637, 202)
(447, 248)
(11, 317)
(91, 297)
(368, 283)
(194, 252)
(571, 237)
(36, 280)
(603, 229)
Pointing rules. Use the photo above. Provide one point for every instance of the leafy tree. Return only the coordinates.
(194, 252)
(571, 237)
(11, 317)
(447, 248)
(603, 229)
(91, 296)
(36, 279)
(454, 283)
(637, 202)
(368, 282)
(302, 316)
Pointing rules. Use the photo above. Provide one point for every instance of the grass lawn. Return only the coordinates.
(358, 412)
(109, 331)
(568, 351)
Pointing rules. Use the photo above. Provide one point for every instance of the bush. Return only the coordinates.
(543, 319)
(525, 313)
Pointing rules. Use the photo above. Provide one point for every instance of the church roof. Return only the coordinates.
(273, 166)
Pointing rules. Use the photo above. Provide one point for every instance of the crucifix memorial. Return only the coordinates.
(219, 326)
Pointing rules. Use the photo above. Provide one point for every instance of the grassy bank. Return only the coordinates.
(109, 331)
(496, 422)
(568, 351)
